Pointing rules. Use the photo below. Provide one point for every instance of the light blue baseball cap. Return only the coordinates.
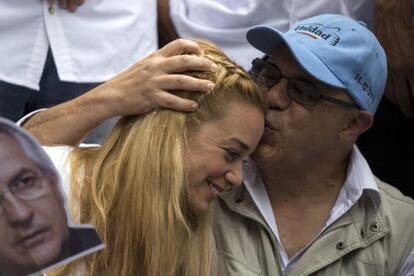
(335, 50)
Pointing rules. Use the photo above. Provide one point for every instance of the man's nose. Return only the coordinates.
(17, 211)
(277, 95)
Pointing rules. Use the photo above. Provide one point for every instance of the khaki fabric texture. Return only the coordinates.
(367, 240)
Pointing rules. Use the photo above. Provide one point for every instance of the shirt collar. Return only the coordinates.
(257, 190)
(359, 179)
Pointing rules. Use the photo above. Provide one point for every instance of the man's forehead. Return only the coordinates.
(10, 148)
(13, 159)
(282, 54)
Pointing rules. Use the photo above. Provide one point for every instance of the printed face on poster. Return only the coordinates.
(36, 229)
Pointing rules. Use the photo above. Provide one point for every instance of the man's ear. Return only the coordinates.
(359, 122)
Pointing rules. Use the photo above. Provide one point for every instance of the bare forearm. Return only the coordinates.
(68, 123)
(138, 90)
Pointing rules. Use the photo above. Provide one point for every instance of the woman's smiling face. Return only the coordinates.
(217, 150)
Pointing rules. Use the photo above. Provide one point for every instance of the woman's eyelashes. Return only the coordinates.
(232, 154)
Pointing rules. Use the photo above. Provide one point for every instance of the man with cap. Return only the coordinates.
(310, 203)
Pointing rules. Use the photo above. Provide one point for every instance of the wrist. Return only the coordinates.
(96, 105)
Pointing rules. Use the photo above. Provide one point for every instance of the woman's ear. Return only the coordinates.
(359, 122)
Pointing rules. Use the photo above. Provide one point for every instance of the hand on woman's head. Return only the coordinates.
(146, 85)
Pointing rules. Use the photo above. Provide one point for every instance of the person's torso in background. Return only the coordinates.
(226, 22)
(100, 39)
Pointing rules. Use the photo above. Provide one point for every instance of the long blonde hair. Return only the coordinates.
(134, 188)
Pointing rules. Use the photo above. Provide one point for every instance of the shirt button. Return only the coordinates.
(374, 227)
(51, 10)
(340, 245)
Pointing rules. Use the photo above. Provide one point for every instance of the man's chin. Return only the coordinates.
(28, 263)
(47, 254)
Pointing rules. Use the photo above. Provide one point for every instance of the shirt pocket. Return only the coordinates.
(228, 265)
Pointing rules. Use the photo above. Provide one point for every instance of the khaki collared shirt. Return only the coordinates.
(367, 240)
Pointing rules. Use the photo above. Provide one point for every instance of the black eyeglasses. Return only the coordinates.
(299, 90)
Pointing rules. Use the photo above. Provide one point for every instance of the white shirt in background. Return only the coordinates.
(94, 43)
(226, 22)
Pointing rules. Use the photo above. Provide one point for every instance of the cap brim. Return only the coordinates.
(267, 39)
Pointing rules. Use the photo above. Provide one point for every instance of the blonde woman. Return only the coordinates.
(148, 187)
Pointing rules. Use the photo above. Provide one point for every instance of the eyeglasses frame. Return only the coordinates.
(320, 97)
(39, 177)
